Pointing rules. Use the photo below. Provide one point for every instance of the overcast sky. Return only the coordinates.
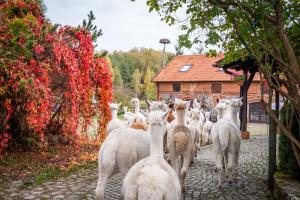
(125, 24)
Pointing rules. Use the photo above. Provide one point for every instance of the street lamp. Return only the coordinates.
(164, 41)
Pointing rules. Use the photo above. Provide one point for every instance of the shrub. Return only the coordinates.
(48, 76)
(287, 160)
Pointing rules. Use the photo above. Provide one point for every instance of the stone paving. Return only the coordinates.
(250, 181)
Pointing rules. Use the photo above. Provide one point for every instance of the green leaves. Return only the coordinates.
(153, 5)
(89, 26)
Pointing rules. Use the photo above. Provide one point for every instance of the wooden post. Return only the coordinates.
(272, 141)
(272, 151)
(244, 107)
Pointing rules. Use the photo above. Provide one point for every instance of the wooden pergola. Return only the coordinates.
(249, 68)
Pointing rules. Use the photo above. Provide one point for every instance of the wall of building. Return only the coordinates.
(198, 89)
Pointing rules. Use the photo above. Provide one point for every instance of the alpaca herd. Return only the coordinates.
(153, 149)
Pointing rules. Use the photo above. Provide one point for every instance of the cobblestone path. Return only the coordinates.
(250, 180)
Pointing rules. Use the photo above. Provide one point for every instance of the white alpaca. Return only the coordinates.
(157, 105)
(226, 102)
(114, 123)
(128, 116)
(233, 111)
(198, 129)
(180, 143)
(139, 117)
(206, 132)
(226, 141)
(196, 104)
(221, 109)
(121, 149)
(201, 123)
(153, 178)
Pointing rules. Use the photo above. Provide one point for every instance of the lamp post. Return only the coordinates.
(164, 41)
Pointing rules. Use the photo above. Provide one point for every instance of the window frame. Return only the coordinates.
(213, 89)
(176, 84)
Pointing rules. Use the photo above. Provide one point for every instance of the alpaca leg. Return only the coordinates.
(106, 165)
(102, 180)
(174, 162)
(219, 163)
(183, 172)
(231, 166)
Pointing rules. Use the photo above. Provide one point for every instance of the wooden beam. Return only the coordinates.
(244, 93)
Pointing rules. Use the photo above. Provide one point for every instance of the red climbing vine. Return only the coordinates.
(49, 76)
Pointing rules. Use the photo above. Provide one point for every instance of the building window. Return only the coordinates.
(176, 87)
(185, 68)
(257, 113)
(216, 88)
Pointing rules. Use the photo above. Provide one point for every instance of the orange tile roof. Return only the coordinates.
(202, 69)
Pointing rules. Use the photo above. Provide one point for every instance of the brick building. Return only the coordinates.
(192, 76)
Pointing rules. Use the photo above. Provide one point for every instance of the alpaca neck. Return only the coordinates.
(137, 108)
(180, 118)
(156, 147)
(206, 118)
(220, 114)
(114, 114)
(233, 115)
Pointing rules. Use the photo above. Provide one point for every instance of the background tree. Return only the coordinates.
(136, 82)
(91, 27)
(267, 31)
(135, 70)
(149, 87)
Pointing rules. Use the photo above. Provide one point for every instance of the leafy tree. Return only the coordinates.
(178, 49)
(136, 82)
(267, 31)
(149, 87)
(143, 59)
(117, 77)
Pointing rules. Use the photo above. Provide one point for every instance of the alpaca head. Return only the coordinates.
(157, 105)
(207, 115)
(134, 102)
(221, 107)
(125, 108)
(196, 104)
(157, 122)
(235, 104)
(179, 104)
(195, 114)
(226, 102)
(171, 105)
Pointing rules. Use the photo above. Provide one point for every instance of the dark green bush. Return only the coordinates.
(287, 160)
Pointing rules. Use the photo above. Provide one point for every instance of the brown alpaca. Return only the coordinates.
(170, 116)
(139, 125)
(181, 141)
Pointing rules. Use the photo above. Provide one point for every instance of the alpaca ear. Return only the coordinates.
(148, 103)
(241, 101)
(119, 104)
